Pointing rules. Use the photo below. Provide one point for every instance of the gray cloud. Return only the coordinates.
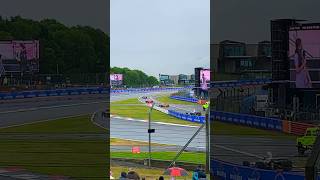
(160, 36)
(249, 20)
(93, 13)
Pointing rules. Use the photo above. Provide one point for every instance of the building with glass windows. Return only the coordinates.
(241, 58)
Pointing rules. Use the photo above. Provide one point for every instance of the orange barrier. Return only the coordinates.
(202, 102)
(286, 126)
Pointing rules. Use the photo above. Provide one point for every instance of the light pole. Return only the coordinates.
(149, 132)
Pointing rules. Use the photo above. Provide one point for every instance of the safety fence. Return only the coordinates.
(296, 128)
(229, 171)
(142, 90)
(289, 127)
(248, 120)
(187, 117)
(188, 99)
(275, 124)
(77, 91)
(55, 92)
(238, 83)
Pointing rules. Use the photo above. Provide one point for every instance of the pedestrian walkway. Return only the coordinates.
(14, 173)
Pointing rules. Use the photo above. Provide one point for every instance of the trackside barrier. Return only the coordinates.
(77, 91)
(297, 128)
(229, 171)
(188, 99)
(187, 117)
(142, 90)
(237, 83)
(55, 92)
(248, 120)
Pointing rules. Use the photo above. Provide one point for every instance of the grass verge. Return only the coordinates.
(168, 100)
(141, 112)
(77, 158)
(221, 128)
(123, 142)
(190, 157)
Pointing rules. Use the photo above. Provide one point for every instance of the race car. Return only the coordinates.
(163, 105)
(194, 113)
(271, 164)
(149, 101)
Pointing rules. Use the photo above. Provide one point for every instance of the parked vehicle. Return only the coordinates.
(306, 142)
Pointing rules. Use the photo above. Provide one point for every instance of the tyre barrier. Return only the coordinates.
(229, 171)
(181, 98)
(187, 117)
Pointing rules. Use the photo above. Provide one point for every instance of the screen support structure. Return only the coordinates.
(313, 163)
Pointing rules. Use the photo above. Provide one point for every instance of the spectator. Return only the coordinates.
(201, 173)
(111, 177)
(132, 175)
(161, 178)
(123, 176)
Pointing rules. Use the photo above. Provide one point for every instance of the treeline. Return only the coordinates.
(71, 50)
(135, 78)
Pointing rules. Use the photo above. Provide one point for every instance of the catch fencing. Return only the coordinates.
(76, 91)
(188, 99)
(229, 171)
(188, 117)
(55, 92)
(238, 83)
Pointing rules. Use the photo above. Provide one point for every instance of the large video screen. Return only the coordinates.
(205, 79)
(163, 77)
(19, 50)
(304, 55)
(116, 79)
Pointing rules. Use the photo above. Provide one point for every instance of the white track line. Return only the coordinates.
(41, 121)
(240, 152)
(154, 122)
(50, 107)
(97, 124)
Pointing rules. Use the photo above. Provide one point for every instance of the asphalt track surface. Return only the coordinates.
(30, 110)
(230, 148)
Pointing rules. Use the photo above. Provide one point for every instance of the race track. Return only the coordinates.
(230, 148)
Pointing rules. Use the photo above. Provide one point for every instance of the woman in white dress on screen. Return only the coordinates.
(303, 79)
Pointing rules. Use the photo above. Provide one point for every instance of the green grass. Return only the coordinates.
(220, 128)
(128, 101)
(190, 157)
(168, 100)
(73, 158)
(141, 112)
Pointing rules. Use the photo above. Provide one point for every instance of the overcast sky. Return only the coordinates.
(94, 13)
(249, 20)
(160, 36)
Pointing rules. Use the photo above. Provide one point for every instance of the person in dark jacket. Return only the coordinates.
(123, 176)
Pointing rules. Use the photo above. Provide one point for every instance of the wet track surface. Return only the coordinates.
(229, 148)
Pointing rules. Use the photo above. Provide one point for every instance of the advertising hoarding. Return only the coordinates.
(205, 79)
(18, 50)
(116, 79)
